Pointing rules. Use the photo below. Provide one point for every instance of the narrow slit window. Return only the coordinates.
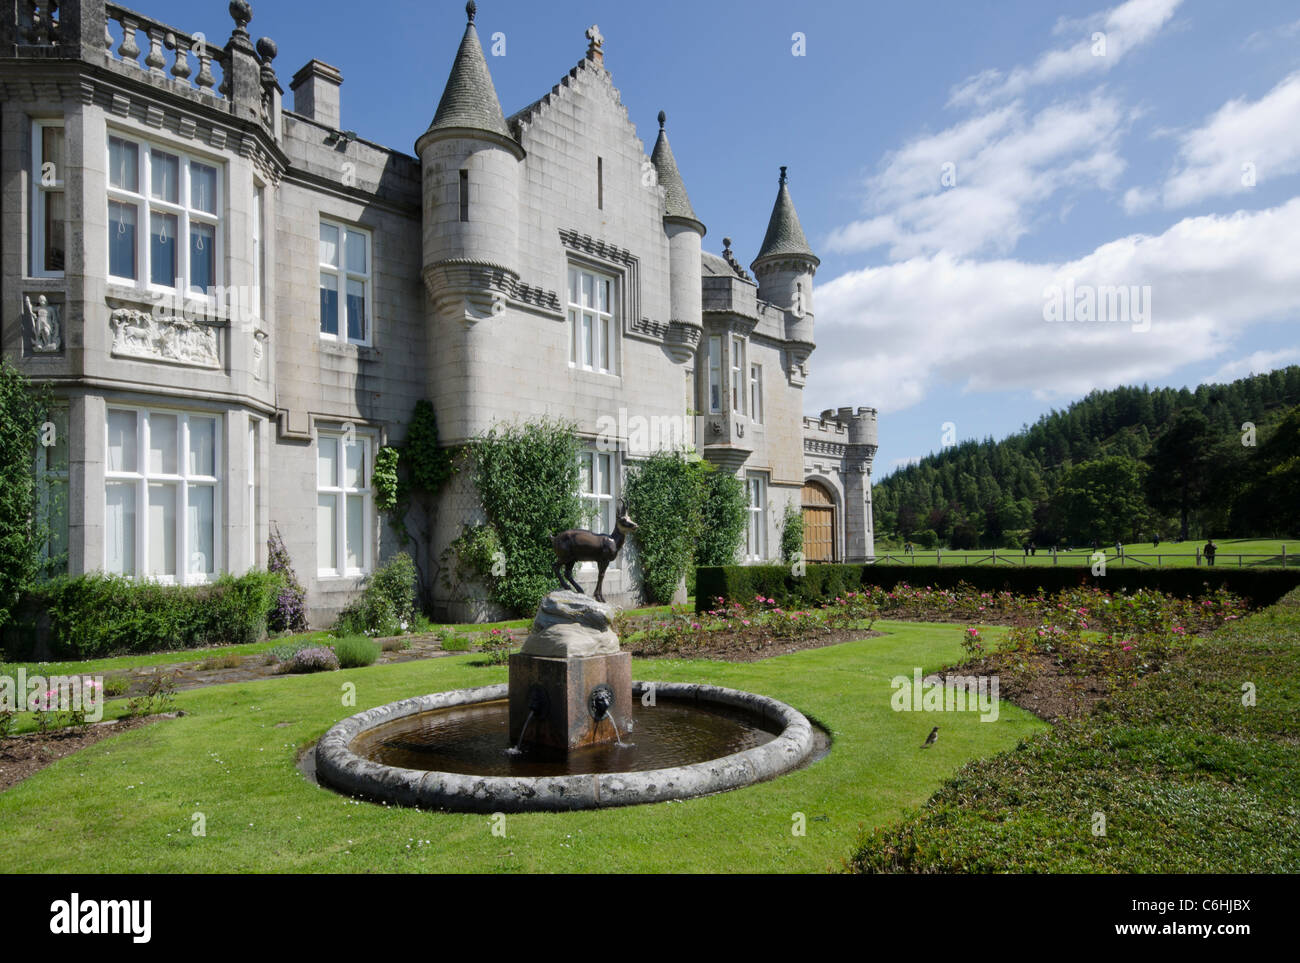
(600, 183)
(464, 195)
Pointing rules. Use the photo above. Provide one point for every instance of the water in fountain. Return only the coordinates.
(468, 739)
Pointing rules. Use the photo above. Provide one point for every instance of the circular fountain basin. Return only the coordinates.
(449, 751)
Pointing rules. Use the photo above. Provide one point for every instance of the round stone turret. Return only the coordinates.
(785, 266)
(470, 166)
(684, 232)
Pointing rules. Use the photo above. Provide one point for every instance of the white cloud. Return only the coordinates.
(1000, 167)
(1257, 362)
(1126, 27)
(897, 330)
(1243, 139)
(1139, 199)
(1264, 38)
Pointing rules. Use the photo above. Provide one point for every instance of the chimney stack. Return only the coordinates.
(316, 93)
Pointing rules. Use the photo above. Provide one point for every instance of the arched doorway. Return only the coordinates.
(818, 524)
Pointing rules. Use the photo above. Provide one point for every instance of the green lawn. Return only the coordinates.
(1188, 778)
(1264, 551)
(126, 804)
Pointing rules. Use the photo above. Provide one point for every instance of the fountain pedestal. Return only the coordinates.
(570, 698)
(570, 677)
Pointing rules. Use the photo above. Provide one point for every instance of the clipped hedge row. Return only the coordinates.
(96, 615)
(1260, 586)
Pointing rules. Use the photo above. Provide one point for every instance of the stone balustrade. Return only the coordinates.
(234, 74)
(162, 42)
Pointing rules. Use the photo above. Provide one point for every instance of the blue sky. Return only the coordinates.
(955, 165)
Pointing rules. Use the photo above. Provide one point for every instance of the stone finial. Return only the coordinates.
(595, 44)
(471, 8)
(241, 12)
(726, 246)
(662, 119)
(782, 175)
(266, 51)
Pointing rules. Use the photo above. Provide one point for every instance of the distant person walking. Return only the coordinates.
(1209, 550)
(1155, 541)
(1119, 549)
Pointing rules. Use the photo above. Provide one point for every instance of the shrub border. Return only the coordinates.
(824, 581)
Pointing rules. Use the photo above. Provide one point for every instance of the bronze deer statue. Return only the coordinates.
(578, 545)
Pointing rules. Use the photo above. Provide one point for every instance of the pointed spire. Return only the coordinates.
(677, 202)
(784, 237)
(470, 99)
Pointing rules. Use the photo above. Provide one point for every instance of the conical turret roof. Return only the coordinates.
(469, 100)
(677, 203)
(784, 237)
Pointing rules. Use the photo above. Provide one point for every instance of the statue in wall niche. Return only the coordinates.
(579, 545)
(45, 325)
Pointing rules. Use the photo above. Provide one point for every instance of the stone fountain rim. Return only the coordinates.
(342, 769)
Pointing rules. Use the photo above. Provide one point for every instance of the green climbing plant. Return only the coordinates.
(664, 494)
(383, 479)
(428, 467)
(722, 518)
(527, 480)
(791, 533)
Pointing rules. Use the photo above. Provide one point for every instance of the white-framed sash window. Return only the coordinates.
(52, 490)
(593, 329)
(737, 375)
(164, 218)
(344, 526)
(49, 213)
(162, 491)
(345, 288)
(756, 533)
(715, 374)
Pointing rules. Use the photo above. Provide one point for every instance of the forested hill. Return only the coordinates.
(1115, 465)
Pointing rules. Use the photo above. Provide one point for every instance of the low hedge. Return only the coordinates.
(96, 615)
(1260, 586)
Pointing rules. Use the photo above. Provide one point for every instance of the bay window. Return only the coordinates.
(343, 512)
(164, 218)
(344, 283)
(162, 482)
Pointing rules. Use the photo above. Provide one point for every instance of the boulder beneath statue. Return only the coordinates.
(571, 626)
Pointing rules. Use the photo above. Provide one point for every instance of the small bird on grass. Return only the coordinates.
(930, 739)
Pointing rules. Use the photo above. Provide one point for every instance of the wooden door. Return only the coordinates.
(818, 524)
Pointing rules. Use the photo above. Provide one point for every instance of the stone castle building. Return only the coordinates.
(238, 304)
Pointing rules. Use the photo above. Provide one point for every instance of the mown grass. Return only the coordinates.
(1267, 552)
(128, 803)
(1186, 776)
